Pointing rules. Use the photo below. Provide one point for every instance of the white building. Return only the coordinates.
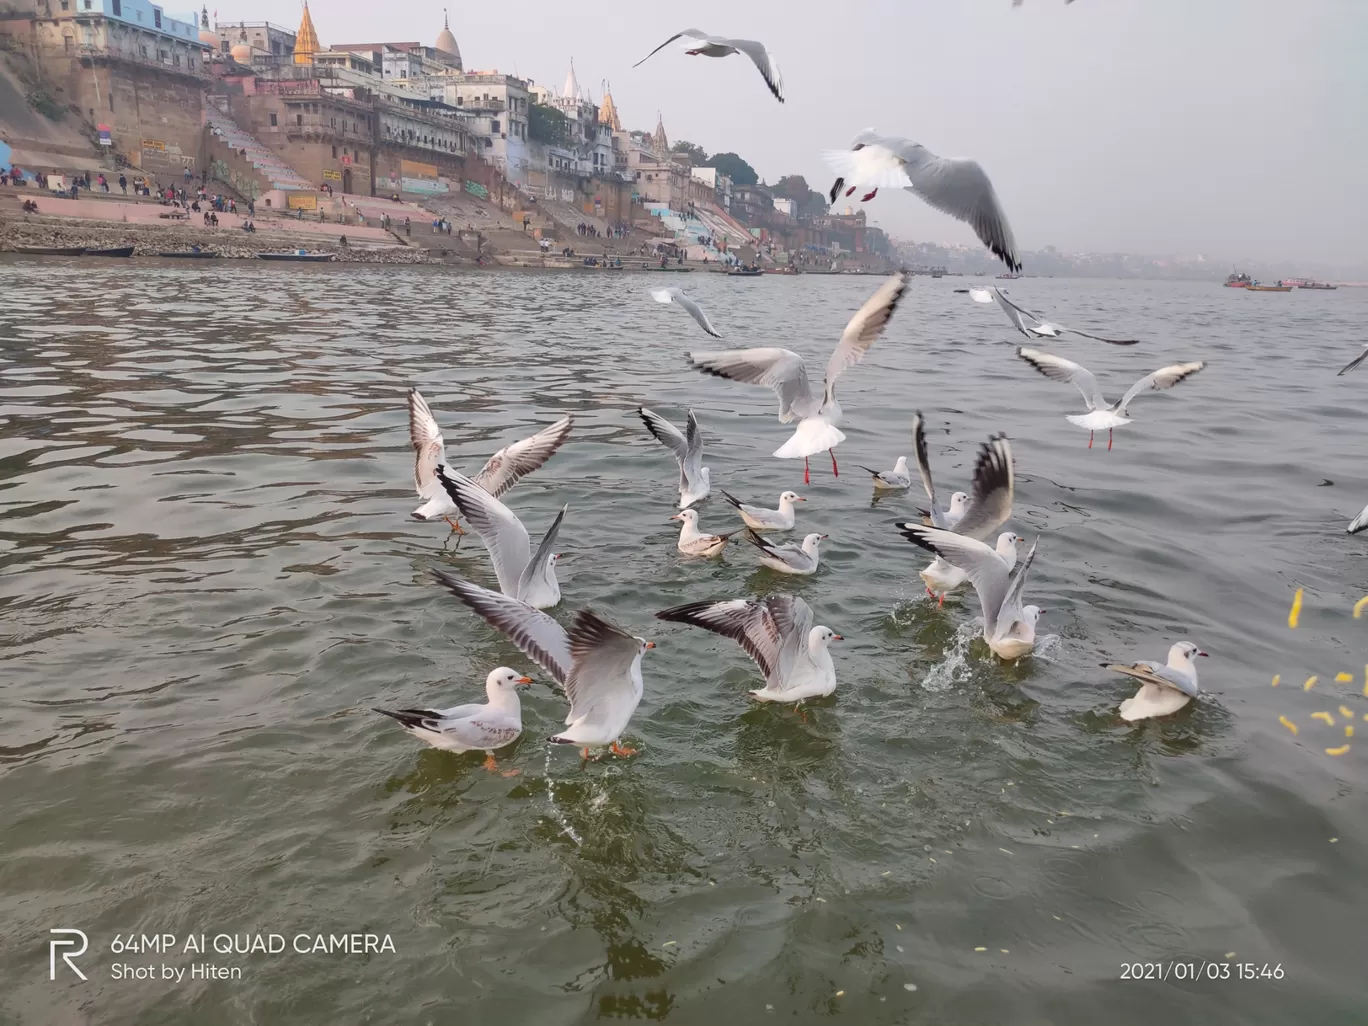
(497, 106)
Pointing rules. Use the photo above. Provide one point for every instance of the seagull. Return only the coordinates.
(1008, 626)
(1359, 522)
(522, 574)
(695, 311)
(1355, 361)
(1163, 689)
(955, 187)
(977, 295)
(760, 519)
(597, 664)
(784, 371)
(693, 542)
(471, 728)
(716, 46)
(1043, 328)
(776, 632)
(1099, 414)
(694, 479)
(894, 480)
(504, 469)
(789, 559)
(994, 488)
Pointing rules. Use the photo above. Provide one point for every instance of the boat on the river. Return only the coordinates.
(1322, 286)
(1254, 286)
(51, 250)
(1238, 280)
(112, 251)
(191, 254)
(302, 255)
(745, 272)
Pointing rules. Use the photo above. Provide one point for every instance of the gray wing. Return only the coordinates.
(961, 189)
(666, 433)
(537, 566)
(1059, 369)
(502, 533)
(539, 637)
(984, 567)
(696, 312)
(1158, 674)
(1015, 313)
(992, 492)
(429, 452)
(690, 33)
(924, 469)
(1164, 377)
(769, 70)
(601, 665)
(485, 732)
(865, 327)
(514, 462)
(780, 369)
(693, 460)
(1011, 610)
(1352, 363)
(1359, 522)
(747, 621)
(793, 617)
(1099, 338)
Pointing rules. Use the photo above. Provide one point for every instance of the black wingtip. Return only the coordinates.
(561, 741)
(730, 498)
(407, 717)
(836, 189)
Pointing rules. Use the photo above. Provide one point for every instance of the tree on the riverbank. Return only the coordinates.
(733, 167)
(548, 125)
(696, 155)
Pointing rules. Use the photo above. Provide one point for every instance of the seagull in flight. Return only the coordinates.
(471, 728)
(502, 471)
(598, 664)
(959, 188)
(1354, 362)
(522, 574)
(1164, 689)
(784, 371)
(673, 295)
(1042, 328)
(976, 294)
(695, 480)
(717, 46)
(778, 633)
(1101, 415)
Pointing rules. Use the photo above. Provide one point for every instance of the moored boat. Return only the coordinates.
(200, 254)
(112, 251)
(51, 250)
(1319, 285)
(303, 255)
(1254, 286)
(1237, 280)
(745, 272)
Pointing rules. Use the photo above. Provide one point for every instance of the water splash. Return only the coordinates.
(553, 808)
(954, 665)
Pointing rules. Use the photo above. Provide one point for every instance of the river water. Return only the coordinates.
(209, 579)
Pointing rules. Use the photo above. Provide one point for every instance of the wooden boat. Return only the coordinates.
(1256, 287)
(676, 269)
(192, 254)
(51, 250)
(1238, 280)
(302, 255)
(1318, 285)
(745, 273)
(112, 251)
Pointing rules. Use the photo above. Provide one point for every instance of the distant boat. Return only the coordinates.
(677, 269)
(199, 254)
(113, 251)
(1009, 276)
(1254, 286)
(51, 250)
(747, 272)
(297, 254)
(1323, 286)
(1237, 281)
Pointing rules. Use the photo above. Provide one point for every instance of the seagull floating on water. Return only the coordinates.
(471, 728)
(677, 296)
(522, 574)
(1008, 626)
(598, 664)
(760, 519)
(894, 480)
(784, 371)
(1099, 414)
(959, 188)
(1163, 689)
(718, 46)
(503, 470)
(994, 489)
(695, 480)
(789, 559)
(693, 542)
(778, 633)
(1042, 328)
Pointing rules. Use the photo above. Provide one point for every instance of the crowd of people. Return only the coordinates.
(617, 230)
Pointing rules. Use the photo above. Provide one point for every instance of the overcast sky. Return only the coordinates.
(1231, 128)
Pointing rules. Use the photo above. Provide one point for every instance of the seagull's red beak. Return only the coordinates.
(1200, 653)
(838, 637)
(650, 644)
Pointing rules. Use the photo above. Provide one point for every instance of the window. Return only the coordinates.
(156, 15)
(334, 152)
(299, 119)
(118, 8)
(493, 124)
(65, 5)
(403, 72)
(273, 119)
(66, 43)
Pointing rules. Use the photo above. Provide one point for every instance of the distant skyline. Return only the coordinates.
(1229, 128)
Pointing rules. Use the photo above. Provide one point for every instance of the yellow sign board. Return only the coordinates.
(334, 176)
(301, 202)
(154, 144)
(414, 169)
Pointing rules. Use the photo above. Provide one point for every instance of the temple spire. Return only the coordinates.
(306, 40)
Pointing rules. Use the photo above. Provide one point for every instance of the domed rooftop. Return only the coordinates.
(206, 34)
(242, 53)
(446, 42)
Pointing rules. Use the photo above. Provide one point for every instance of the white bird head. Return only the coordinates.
(689, 516)
(901, 467)
(958, 503)
(1182, 653)
(503, 681)
(1032, 615)
(811, 542)
(1008, 542)
(791, 497)
(820, 637)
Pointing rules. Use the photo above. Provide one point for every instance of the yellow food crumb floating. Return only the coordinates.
(1288, 724)
(1334, 840)
(980, 949)
(898, 925)
(1004, 851)
(1277, 679)
(1230, 954)
(669, 944)
(1343, 678)
(1295, 614)
(1325, 717)
(1337, 751)
(1346, 712)
(1348, 730)
(840, 993)
(1004, 951)
(1358, 607)
(1310, 682)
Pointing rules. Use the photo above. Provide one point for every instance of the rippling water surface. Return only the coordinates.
(209, 579)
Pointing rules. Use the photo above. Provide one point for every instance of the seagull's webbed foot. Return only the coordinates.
(455, 527)
(835, 471)
(869, 196)
(489, 762)
(1109, 439)
(618, 749)
(807, 478)
(850, 190)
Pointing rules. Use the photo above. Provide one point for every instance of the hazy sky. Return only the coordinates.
(1231, 128)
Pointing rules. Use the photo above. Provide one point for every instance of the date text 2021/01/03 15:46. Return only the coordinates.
(1204, 970)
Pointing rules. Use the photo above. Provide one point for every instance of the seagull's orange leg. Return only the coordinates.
(489, 762)
(617, 749)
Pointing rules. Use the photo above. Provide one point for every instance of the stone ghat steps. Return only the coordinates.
(277, 173)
